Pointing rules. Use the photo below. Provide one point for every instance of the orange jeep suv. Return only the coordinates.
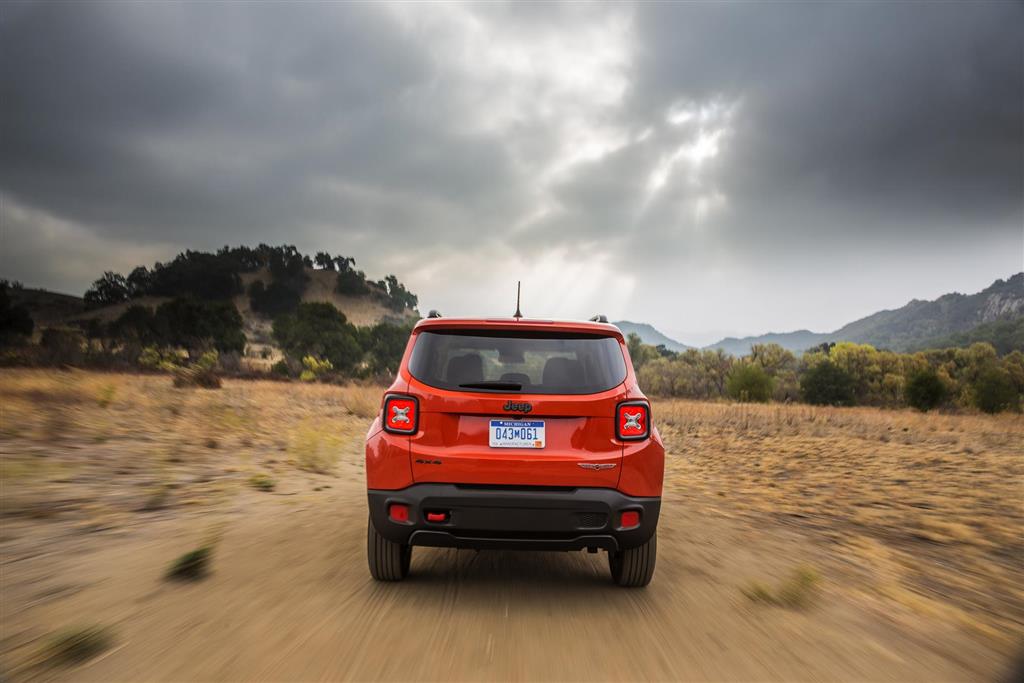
(517, 434)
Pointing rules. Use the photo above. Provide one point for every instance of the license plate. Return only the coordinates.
(517, 434)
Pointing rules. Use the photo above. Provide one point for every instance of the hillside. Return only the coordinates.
(45, 307)
(649, 335)
(362, 311)
(797, 342)
(51, 309)
(916, 325)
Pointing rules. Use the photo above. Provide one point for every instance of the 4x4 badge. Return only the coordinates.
(596, 465)
(519, 407)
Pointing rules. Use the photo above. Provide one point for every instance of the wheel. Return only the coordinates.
(389, 561)
(634, 567)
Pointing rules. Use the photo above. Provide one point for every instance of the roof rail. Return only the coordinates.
(599, 318)
(433, 313)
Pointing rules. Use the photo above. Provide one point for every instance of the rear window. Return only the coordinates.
(518, 362)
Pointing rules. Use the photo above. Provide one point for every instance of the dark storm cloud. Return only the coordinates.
(912, 103)
(702, 146)
(157, 123)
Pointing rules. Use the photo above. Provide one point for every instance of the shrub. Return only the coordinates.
(262, 482)
(827, 384)
(202, 373)
(273, 301)
(193, 565)
(153, 358)
(313, 368)
(924, 390)
(797, 591)
(61, 346)
(749, 382)
(321, 330)
(194, 324)
(385, 344)
(75, 645)
(993, 391)
(281, 368)
(314, 450)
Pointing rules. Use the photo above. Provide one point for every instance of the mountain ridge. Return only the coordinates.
(906, 327)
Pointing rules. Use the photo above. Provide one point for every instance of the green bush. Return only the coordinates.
(827, 384)
(994, 391)
(314, 368)
(924, 390)
(194, 324)
(749, 382)
(385, 344)
(275, 300)
(320, 330)
(202, 373)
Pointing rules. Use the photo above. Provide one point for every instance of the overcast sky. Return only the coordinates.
(710, 169)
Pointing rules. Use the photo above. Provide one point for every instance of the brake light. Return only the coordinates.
(630, 519)
(401, 414)
(633, 420)
(398, 512)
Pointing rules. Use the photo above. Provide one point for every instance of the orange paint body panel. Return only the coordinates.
(450, 444)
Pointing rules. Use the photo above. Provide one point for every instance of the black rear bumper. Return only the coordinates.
(526, 518)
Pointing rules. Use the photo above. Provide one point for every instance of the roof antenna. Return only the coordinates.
(518, 286)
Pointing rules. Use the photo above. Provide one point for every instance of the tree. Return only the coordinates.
(273, 301)
(323, 261)
(639, 352)
(110, 289)
(994, 391)
(827, 384)
(197, 274)
(924, 390)
(772, 357)
(198, 325)
(136, 325)
(749, 382)
(288, 266)
(398, 297)
(319, 329)
(16, 323)
(385, 343)
(351, 282)
(139, 282)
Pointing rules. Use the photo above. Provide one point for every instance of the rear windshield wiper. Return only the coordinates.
(493, 384)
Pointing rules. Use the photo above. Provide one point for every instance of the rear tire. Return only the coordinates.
(634, 567)
(389, 561)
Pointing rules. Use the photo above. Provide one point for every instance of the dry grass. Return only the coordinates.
(98, 449)
(362, 401)
(926, 509)
(922, 509)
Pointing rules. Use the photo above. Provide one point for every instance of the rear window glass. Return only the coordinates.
(518, 362)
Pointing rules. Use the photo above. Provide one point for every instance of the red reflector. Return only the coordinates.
(400, 414)
(630, 518)
(632, 421)
(437, 516)
(398, 512)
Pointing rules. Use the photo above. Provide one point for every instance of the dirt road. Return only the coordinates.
(289, 597)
